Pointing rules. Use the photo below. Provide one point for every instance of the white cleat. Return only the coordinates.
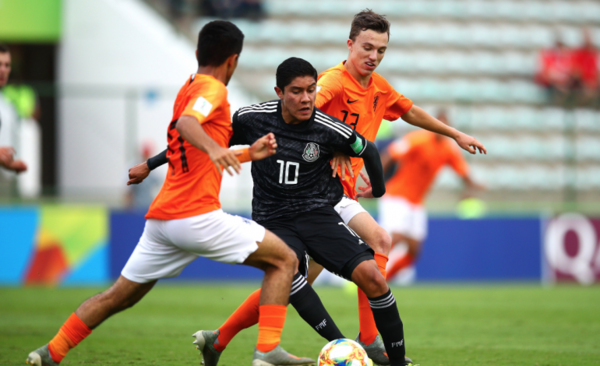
(205, 340)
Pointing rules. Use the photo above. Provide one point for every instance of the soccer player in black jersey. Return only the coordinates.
(294, 196)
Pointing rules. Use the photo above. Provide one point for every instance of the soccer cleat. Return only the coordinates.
(279, 357)
(376, 352)
(41, 357)
(205, 340)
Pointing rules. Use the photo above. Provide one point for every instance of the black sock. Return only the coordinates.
(308, 304)
(389, 325)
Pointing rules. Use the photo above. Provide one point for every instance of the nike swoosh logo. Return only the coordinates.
(351, 101)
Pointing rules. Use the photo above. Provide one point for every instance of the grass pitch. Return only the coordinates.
(444, 325)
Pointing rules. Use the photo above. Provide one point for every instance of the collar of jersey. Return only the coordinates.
(361, 90)
(299, 127)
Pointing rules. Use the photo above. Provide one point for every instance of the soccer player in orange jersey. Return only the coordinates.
(353, 92)
(185, 220)
(420, 155)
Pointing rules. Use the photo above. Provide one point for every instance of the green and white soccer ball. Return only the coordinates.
(343, 352)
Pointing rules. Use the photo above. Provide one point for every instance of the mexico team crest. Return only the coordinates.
(311, 152)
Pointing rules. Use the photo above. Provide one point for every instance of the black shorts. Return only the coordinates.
(322, 235)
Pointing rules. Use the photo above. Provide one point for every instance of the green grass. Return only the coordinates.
(444, 325)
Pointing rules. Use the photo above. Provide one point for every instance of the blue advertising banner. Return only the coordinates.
(493, 249)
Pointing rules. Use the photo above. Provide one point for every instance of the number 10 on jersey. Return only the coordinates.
(284, 167)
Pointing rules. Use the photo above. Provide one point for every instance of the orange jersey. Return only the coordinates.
(341, 96)
(193, 182)
(420, 155)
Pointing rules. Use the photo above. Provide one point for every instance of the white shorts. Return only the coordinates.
(347, 208)
(168, 246)
(397, 215)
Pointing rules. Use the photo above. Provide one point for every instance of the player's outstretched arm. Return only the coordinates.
(416, 116)
(223, 158)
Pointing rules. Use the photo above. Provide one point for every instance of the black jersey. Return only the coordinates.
(298, 178)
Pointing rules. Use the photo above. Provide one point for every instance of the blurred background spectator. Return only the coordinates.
(555, 65)
(569, 75)
(9, 126)
(585, 71)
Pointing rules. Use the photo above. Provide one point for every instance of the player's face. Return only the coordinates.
(367, 51)
(5, 64)
(298, 98)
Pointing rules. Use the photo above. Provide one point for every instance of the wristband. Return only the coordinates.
(244, 156)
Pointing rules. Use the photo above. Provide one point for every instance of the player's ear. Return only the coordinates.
(232, 60)
(349, 43)
(279, 92)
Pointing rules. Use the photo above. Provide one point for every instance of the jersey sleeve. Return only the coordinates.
(458, 162)
(203, 101)
(354, 145)
(328, 87)
(397, 105)
(239, 134)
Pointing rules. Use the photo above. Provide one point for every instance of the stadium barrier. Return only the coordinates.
(86, 245)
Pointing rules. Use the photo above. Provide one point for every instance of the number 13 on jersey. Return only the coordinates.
(284, 169)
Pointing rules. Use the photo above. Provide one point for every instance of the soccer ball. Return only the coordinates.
(343, 352)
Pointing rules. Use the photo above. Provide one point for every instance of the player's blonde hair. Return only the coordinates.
(368, 19)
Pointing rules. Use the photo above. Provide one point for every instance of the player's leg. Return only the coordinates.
(359, 220)
(302, 297)
(348, 255)
(244, 241)
(409, 226)
(123, 294)
(314, 270)
(368, 278)
(413, 250)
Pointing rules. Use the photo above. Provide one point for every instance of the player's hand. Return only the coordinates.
(365, 191)
(225, 159)
(138, 173)
(469, 143)
(18, 166)
(263, 147)
(342, 161)
(6, 155)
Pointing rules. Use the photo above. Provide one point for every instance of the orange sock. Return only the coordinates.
(70, 334)
(244, 317)
(270, 325)
(368, 329)
(402, 263)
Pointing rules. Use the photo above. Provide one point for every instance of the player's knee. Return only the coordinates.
(382, 242)
(370, 280)
(291, 261)
(286, 260)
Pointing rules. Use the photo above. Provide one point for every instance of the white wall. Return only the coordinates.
(120, 67)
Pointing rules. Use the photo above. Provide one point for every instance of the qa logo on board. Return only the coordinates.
(572, 249)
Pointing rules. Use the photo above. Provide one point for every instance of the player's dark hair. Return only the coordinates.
(217, 41)
(4, 48)
(292, 68)
(368, 19)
